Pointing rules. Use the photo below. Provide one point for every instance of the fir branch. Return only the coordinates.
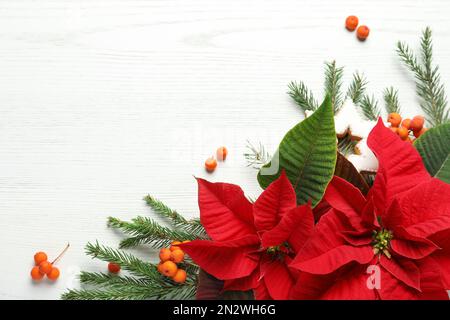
(357, 88)
(302, 96)
(333, 84)
(369, 107)
(428, 81)
(256, 156)
(346, 145)
(390, 96)
(147, 231)
(126, 261)
(192, 226)
(185, 292)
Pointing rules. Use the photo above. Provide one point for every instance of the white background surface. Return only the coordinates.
(102, 102)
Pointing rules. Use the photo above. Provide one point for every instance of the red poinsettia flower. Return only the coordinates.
(251, 244)
(394, 244)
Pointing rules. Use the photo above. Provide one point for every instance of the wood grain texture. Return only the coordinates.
(103, 101)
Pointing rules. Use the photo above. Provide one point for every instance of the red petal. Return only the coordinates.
(394, 289)
(334, 259)
(224, 211)
(413, 249)
(400, 166)
(431, 281)
(425, 209)
(296, 227)
(356, 238)
(368, 216)
(348, 283)
(225, 260)
(277, 278)
(345, 197)
(243, 284)
(403, 270)
(442, 257)
(261, 292)
(278, 199)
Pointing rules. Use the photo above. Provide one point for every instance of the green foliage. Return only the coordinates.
(302, 96)
(434, 148)
(391, 103)
(357, 88)
(256, 156)
(333, 84)
(142, 279)
(193, 226)
(369, 107)
(428, 80)
(308, 155)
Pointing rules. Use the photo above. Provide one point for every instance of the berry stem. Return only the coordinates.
(61, 254)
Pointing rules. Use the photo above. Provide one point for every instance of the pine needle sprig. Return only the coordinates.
(192, 226)
(428, 81)
(333, 84)
(126, 260)
(369, 107)
(256, 156)
(357, 88)
(346, 145)
(143, 230)
(302, 96)
(391, 103)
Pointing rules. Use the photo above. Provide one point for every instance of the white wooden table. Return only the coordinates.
(104, 101)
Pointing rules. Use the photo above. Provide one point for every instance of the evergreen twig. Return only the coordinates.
(357, 88)
(256, 156)
(369, 107)
(333, 84)
(192, 226)
(143, 230)
(302, 96)
(391, 102)
(428, 81)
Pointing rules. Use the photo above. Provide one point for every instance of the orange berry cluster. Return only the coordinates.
(43, 267)
(362, 32)
(169, 258)
(407, 128)
(211, 162)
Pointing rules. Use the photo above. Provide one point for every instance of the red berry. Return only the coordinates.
(113, 267)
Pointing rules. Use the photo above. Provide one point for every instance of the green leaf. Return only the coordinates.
(308, 155)
(444, 173)
(434, 148)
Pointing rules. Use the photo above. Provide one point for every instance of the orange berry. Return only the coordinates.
(40, 257)
(174, 245)
(186, 241)
(403, 133)
(406, 123)
(159, 267)
(169, 268)
(395, 119)
(210, 164)
(53, 274)
(45, 267)
(362, 33)
(351, 23)
(394, 129)
(417, 123)
(180, 276)
(113, 267)
(36, 275)
(420, 132)
(222, 153)
(177, 256)
(164, 254)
